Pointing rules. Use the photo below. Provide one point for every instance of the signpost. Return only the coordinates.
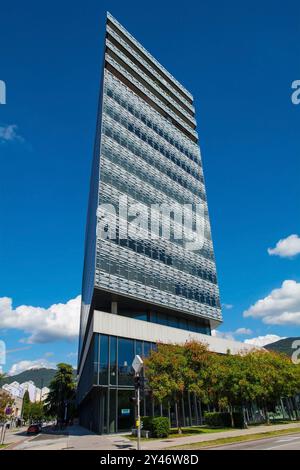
(137, 366)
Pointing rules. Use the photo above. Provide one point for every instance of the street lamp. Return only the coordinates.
(137, 366)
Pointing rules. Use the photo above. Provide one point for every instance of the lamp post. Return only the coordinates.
(137, 366)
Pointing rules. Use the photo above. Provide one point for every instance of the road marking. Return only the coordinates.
(288, 439)
(280, 445)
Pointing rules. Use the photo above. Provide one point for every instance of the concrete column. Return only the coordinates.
(114, 308)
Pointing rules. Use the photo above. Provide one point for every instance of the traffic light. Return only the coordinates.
(138, 382)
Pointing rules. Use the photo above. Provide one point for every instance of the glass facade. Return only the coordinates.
(146, 150)
(160, 270)
(113, 372)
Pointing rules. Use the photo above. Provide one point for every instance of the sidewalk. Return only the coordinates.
(76, 438)
(79, 438)
(179, 441)
(16, 435)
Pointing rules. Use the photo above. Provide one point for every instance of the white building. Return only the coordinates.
(18, 390)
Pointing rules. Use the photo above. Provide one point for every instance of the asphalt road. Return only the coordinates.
(288, 442)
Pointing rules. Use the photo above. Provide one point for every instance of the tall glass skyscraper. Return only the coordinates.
(149, 269)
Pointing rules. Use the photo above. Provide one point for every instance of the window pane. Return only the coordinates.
(103, 366)
(113, 360)
(96, 358)
(125, 410)
(125, 358)
(112, 410)
(139, 348)
(147, 348)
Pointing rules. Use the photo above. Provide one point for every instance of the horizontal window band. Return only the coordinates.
(148, 100)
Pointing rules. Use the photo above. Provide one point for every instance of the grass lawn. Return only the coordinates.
(186, 431)
(194, 430)
(232, 440)
(2, 446)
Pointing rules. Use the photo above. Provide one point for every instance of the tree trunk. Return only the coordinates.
(295, 407)
(200, 411)
(231, 416)
(291, 407)
(266, 415)
(245, 424)
(177, 418)
(282, 408)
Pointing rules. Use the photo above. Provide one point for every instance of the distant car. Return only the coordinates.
(34, 429)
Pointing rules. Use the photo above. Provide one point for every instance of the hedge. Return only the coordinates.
(158, 427)
(217, 419)
(147, 422)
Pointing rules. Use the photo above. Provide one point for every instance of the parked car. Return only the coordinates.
(34, 429)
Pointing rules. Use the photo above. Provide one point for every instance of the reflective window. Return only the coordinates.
(139, 348)
(147, 348)
(112, 410)
(103, 366)
(125, 358)
(113, 360)
(96, 358)
(125, 410)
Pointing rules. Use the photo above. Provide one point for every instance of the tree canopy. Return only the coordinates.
(222, 381)
(5, 401)
(62, 393)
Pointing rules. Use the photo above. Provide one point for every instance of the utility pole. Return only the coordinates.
(3, 430)
(138, 366)
(138, 402)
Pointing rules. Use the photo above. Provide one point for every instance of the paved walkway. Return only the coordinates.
(179, 441)
(82, 439)
(77, 438)
(15, 435)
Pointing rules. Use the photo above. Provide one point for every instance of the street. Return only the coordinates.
(78, 438)
(291, 442)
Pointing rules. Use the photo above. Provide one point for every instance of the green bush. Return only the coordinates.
(217, 419)
(160, 427)
(147, 422)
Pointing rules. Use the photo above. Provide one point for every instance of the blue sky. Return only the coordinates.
(239, 60)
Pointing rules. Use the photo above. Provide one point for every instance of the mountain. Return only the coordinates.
(284, 346)
(41, 377)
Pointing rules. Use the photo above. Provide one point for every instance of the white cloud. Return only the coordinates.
(286, 247)
(227, 306)
(23, 348)
(280, 307)
(10, 133)
(72, 354)
(19, 367)
(263, 340)
(231, 334)
(58, 322)
(223, 334)
(243, 331)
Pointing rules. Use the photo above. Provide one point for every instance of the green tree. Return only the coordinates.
(258, 376)
(37, 412)
(198, 369)
(62, 392)
(2, 377)
(278, 377)
(166, 371)
(5, 401)
(227, 382)
(26, 406)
